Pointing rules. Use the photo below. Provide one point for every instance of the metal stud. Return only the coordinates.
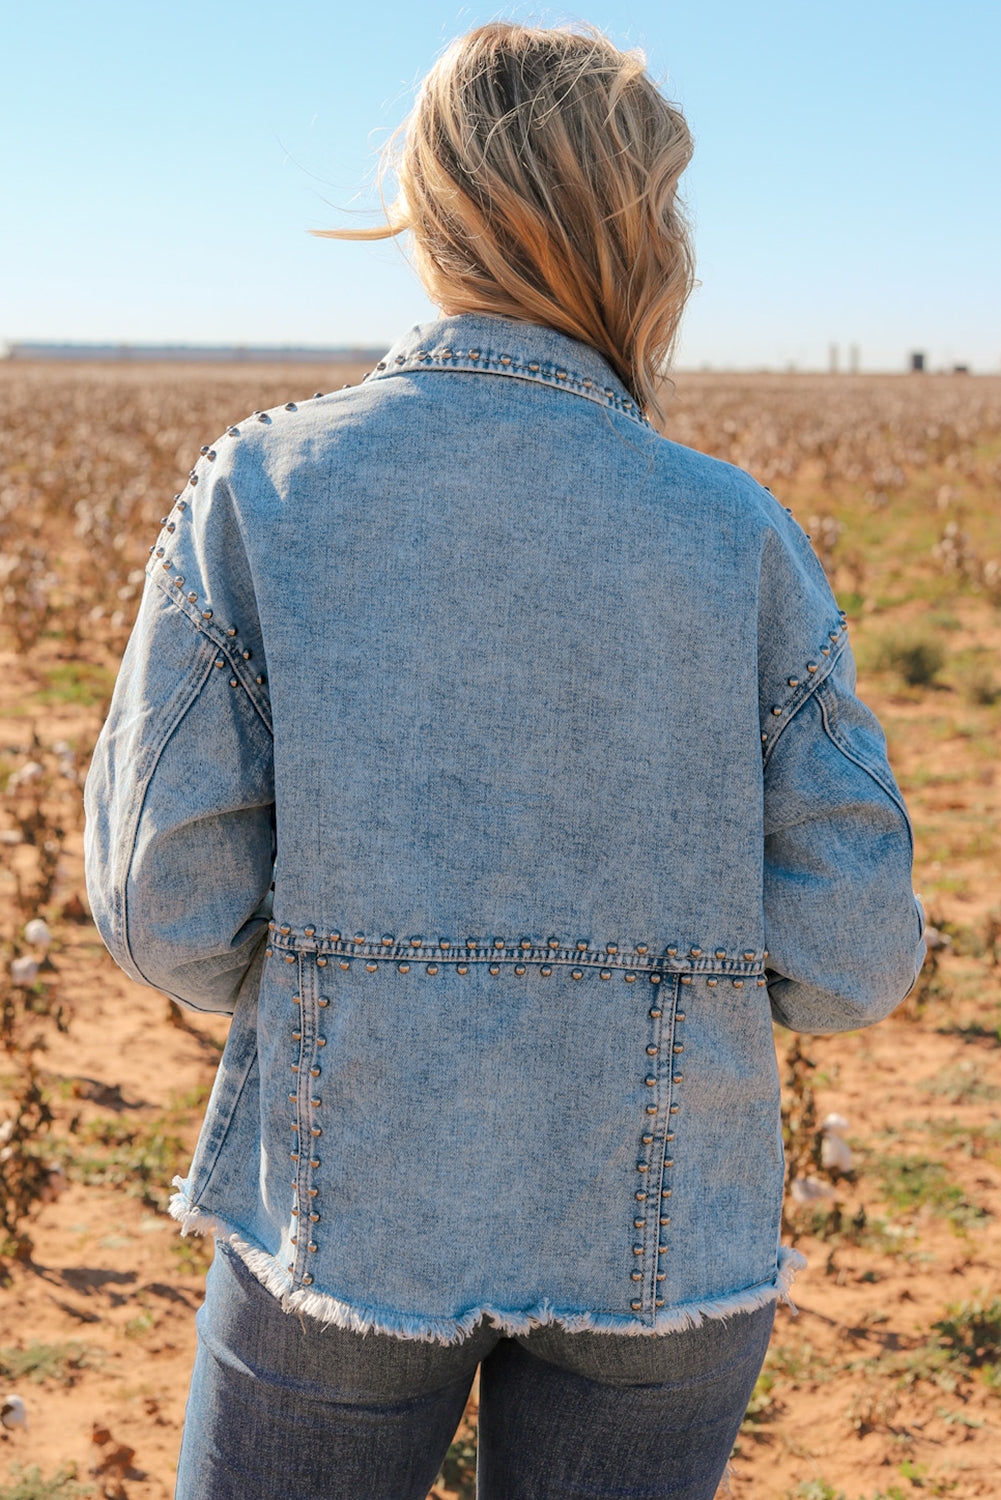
(181, 504)
(639, 1223)
(307, 1280)
(679, 1015)
(291, 406)
(738, 984)
(605, 974)
(650, 1081)
(432, 969)
(672, 952)
(231, 630)
(630, 978)
(640, 1196)
(651, 1109)
(403, 968)
(686, 979)
(323, 1002)
(192, 598)
(321, 962)
(371, 968)
(652, 1051)
(712, 983)
(777, 712)
(680, 1047)
(206, 614)
(462, 968)
(721, 953)
(500, 942)
(635, 1306)
(794, 682)
(417, 942)
(695, 952)
(637, 1249)
(655, 1014)
(811, 666)
(494, 969)
(233, 682)
(526, 943)
(749, 956)
(642, 1166)
(314, 1162)
(519, 969)
(583, 946)
(576, 973)
(553, 942)
(545, 971)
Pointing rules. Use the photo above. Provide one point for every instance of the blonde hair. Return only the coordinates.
(537, 174)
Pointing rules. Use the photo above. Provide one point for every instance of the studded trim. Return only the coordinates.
(651, 962)
(803, 684)
(543, 372)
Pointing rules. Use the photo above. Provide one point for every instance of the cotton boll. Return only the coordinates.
(836, 1154)
(24, 970)
(13, 1412)
(37, 933)
(29, 772)
(810, 1190)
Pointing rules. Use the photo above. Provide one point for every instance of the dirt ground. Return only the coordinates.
(886, 1382)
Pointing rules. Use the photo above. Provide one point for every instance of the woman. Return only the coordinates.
(544, 729)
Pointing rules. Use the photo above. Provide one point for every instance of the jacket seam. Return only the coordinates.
(805, 692)
(839, 742)
(225, 646)
(129, 845)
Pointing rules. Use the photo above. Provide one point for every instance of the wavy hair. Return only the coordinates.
(538, 174)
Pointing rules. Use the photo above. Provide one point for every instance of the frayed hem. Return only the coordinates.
(329, 1311)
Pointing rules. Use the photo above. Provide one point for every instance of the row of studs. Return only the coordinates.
(654, 976)
(581, 951)
(167, 564)
(422, 356)
(306, 1214)
(663, 1191)
(811, 667)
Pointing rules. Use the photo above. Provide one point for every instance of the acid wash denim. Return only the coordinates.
(544, 729)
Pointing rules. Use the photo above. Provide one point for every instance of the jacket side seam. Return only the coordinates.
(128, 845)
(839, 742)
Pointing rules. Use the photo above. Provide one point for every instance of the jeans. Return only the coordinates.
(281, 1408)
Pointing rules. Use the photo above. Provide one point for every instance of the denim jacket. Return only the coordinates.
(544, 729)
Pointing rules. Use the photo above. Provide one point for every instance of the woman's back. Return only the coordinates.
(542, 687)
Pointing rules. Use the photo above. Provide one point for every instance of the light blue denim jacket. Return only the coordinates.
(545, 729)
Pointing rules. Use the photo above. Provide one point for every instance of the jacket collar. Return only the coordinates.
(491, 345)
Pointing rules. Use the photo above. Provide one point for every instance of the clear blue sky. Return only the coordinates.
(163, 163)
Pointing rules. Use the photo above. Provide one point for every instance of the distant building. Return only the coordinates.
(917, 363)
(196, 353)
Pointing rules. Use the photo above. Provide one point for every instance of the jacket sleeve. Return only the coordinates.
(843, 928)
(179, 799)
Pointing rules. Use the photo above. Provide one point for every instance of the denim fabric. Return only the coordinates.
(280, 1405)
(545, 729)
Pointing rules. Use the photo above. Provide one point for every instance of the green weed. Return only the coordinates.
(962, 1083)
(29, 1485)
(86, 684)
(139, 1158)
(916, 659)
(39, 1362)
(910, 1183)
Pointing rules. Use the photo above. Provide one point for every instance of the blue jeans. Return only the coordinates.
(281, 1408)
